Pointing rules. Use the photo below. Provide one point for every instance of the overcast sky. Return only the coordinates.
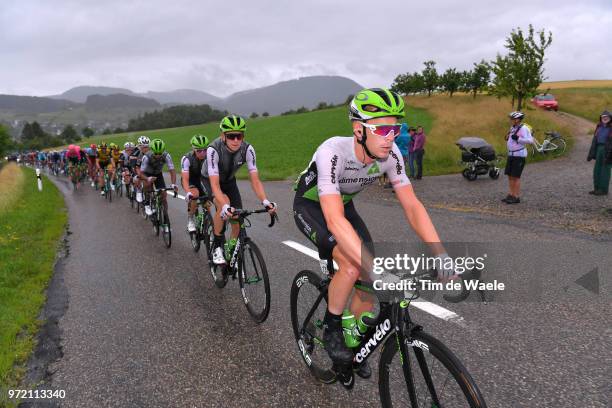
(221, 47)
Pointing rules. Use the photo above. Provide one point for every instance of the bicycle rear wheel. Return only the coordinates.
(308, 304)
(165, 226)
(440, 380)
(254, 282)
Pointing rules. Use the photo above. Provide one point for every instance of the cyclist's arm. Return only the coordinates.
(185, 173)
(256, 183)
(419, 220)
(347, 239)
(143, 166)
(212, 164)
(525, 136)
(171, 170)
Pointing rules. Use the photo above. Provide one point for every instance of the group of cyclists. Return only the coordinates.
(323, 205)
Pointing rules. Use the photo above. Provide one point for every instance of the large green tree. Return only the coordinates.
(478, 79)
(431, 78)
(69, 134)
(87, 132)
(451, 81)
(524, 64)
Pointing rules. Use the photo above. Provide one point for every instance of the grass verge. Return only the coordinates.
(484, 116)
(284, 144)
(30, 228)
(587, 103)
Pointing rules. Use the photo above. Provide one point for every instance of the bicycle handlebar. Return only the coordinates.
(155, 190)
(245, 213)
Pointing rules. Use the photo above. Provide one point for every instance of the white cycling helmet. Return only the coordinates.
(516, 115)
(143, 141)
(128, 145)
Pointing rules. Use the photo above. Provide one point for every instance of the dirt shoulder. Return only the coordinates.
(554, 192)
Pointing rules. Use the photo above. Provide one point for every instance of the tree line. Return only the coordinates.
(517, 75)
(34, 137)
(176, 116)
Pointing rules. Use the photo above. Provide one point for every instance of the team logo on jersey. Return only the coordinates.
(374, 169)
(334, 163)
(398, 166)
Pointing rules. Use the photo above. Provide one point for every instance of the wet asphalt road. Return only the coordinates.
(145, 326)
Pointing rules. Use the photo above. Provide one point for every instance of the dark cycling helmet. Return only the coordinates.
(199, 142)
(516, 115)
(103, 145)
(158, 146)
(232, 123)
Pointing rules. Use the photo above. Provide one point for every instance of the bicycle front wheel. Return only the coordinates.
(166, 231)
(254, 282)
(308, 306)
(439, 378)
(560, 147)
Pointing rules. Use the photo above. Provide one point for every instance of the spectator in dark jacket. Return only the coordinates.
(601, 151)
(416, 152)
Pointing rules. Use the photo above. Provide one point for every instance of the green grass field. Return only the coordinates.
(30, 228)
(584, 102)
(284, 144)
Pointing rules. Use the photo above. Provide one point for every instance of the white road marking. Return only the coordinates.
(428, 307)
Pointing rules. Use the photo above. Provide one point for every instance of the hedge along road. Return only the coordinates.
(145, 326)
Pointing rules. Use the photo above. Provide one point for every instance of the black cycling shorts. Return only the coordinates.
(514, 166)
(309, 218)
(230, 189)
(159, 180)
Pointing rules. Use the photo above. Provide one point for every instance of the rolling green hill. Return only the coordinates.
(284, 144)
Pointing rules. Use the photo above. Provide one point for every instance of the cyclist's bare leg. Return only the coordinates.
(341, 287)
(193, 204)
(217, 220)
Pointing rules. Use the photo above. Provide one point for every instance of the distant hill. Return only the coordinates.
(283, 96)
(33, 104)
(118, 101)
(79, 94)
(183, 96)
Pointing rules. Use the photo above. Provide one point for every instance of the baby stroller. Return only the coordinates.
(478, 157)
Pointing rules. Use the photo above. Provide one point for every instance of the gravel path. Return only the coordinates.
(554, 192)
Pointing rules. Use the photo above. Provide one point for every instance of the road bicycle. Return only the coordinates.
(159, 218)
(553, 143)
(246, 262)
(203, 220)
(415, 369)
(106, 186)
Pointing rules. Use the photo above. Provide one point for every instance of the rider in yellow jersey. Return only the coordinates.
(115, 154)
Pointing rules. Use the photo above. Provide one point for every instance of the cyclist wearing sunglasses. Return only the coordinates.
(224, 156)
(323, 208)
(151, 170)
(191, 175)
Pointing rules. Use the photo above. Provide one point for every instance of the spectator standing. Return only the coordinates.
(418, 151)
(601, 151)
(516, 140)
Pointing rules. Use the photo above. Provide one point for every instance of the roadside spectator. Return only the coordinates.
(601, 151)
(417, 152)
(516, 139)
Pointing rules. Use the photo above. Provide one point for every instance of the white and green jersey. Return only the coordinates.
(334, 169)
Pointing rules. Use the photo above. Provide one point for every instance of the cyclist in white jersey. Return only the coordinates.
(323, 208)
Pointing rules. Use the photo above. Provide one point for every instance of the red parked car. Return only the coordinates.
(546, 101)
